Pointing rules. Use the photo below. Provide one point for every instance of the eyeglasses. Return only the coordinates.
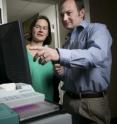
(41, 27)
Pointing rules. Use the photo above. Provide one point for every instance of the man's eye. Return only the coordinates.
(69, 13)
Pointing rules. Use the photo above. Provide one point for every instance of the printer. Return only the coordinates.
(19, 94)
(25, 101)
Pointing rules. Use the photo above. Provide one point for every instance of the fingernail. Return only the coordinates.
(42, 61)
(35, 57)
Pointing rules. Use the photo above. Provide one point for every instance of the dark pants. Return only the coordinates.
(77, 119)
(88, 110)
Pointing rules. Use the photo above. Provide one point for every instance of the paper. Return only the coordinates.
(8, 86)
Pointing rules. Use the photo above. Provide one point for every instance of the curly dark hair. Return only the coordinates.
(48, 40)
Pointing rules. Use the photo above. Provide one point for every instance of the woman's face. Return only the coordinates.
(40, 30)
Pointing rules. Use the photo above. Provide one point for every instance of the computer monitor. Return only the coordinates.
(14, 65)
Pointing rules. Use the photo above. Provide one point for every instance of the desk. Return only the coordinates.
(53, 119)
(43, 113)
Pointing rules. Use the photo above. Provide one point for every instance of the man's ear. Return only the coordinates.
(82, 13)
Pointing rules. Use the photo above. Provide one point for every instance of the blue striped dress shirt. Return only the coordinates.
(86, 57)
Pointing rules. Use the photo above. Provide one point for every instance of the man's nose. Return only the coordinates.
(65, 18)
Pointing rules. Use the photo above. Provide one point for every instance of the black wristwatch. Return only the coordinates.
(55, 62)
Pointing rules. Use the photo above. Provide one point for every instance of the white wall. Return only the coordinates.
(3, 11)
(87, 9)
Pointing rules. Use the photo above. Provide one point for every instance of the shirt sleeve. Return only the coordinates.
(98, 50)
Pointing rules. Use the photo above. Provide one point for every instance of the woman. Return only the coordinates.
(42, 74)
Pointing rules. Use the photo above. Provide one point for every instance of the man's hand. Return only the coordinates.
(59, 69)
(46, 54)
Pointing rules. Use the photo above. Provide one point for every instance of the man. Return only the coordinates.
(86, 59)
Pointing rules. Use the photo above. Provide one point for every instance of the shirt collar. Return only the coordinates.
(78, 29)
(81, 26)
(84, 24)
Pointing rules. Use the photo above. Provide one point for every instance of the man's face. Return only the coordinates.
(70, 15)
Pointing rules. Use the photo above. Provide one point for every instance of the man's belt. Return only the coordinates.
(86, 95)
